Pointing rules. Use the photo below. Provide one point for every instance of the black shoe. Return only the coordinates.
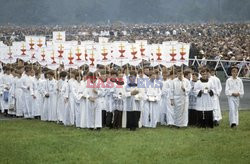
(98, 129)
(233, 125)
(216, 123)
(132, 129)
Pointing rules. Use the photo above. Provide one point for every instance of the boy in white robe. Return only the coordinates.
(50, 98)
(34, 98)
(133, 101)
(217, 91)
(101, 92)
(62, 89)
(152, 104)
(83, 103)
(12, 100)
(167, 114)
(6, 84)
(94, 113)
(204, 104)
(179, 99)
(234, 91)
(119, 101)
(19, 95)
(109, 99)
(72, 96)
(78, 110)
(27, 98)
(192, 113)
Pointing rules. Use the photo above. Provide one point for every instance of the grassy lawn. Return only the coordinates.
(33, 141)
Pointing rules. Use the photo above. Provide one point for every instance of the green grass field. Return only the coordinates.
(33, 141)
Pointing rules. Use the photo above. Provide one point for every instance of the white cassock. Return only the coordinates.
(217, 91)
(77, 107)
(19, 98)
(61, 87)
(133, 103)
(27, 98)
(37, 99)
(108, 93)
(101, 96)
(1, 90)
(151, 112)
(64, 94)
(82, 101)
(181, 101)
(94, 115)
(205, 102)
(49, 105)
(72, 96)
(167, 112)
(12, 100)
(6, 84)
(234, 86)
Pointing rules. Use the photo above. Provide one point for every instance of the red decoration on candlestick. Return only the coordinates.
(23, 50)
(53, 58)
(60, 51)
(43, 55)
(86, 55)
(70, 58)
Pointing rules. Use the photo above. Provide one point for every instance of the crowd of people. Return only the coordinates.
(112, 97)
(208, 41)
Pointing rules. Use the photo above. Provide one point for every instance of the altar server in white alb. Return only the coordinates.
(72, 97)
(167, 112)
(217, 91)
(133, 101)
(82, 99)
(50, 97)
(94, 113)
(204, 104)
(152, 110)
(19, 95)
(27, 98)
(62, 99)
(234, 91)
(179, 99)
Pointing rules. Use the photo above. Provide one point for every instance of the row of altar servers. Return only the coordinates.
(75, 102)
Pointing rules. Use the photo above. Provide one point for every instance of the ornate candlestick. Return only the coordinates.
(134, 52)
(78, 54)
(158, 53)
(173, 54)
(53, 58)
(60, 51)
(122, 51)
(39, 43)
(183, 53)
(70, 57)
(104, 53)
(23, 50)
